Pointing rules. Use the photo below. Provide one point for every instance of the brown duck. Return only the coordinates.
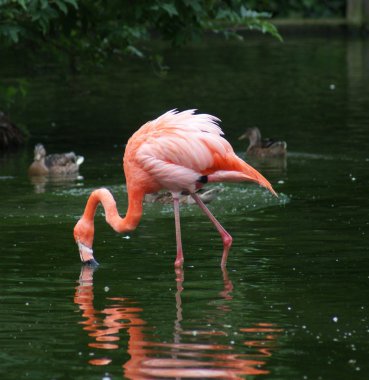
(54, 164)
(166, 197)
(263, 148)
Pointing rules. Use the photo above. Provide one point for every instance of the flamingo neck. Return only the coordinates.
(119, 224)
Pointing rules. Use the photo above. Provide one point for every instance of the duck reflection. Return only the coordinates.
(274, 165)
(67, 180)
(189, 355)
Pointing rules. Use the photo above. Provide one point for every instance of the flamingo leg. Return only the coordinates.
(179, 259)
(226, 237)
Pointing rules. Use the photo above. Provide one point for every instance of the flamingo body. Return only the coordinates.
(178, 151)
(175, 150)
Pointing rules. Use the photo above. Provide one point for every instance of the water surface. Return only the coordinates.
(293, 303)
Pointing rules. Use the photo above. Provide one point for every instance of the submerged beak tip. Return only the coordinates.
(91, 263)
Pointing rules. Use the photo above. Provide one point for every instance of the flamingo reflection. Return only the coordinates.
(185, 356)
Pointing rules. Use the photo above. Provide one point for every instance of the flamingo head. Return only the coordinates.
(83, 235)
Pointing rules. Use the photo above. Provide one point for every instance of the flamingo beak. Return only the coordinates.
(242, 137)
(86, 254)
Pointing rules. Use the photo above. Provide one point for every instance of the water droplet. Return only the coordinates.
(332, 86)
(106, 288)
(335, 319)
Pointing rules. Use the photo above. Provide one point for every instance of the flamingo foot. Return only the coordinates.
(86, 254)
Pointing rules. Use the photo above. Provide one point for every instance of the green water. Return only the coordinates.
(294, 301)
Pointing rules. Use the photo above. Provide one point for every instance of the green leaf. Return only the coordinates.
(134, 51)
(44, 3)
(22, 3)
(170, 9)
(73, 3)
(13, 33)
(61, 6)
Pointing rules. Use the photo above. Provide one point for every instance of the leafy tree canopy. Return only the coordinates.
(301, 8)
(98, 29)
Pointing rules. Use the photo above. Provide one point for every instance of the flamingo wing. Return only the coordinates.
(179, 148)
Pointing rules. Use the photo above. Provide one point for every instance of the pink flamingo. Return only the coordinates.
(178, 151)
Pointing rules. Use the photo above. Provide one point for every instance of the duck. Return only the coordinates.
(166, 197)
(10, 135)
(263, 148)
(54, 164)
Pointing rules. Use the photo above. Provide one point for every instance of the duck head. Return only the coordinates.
(39, 152)
(253, 134)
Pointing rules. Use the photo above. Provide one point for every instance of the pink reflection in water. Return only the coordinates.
(176, 359)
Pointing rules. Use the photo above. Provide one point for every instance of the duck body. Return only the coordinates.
(54, 164)
(263, 148)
